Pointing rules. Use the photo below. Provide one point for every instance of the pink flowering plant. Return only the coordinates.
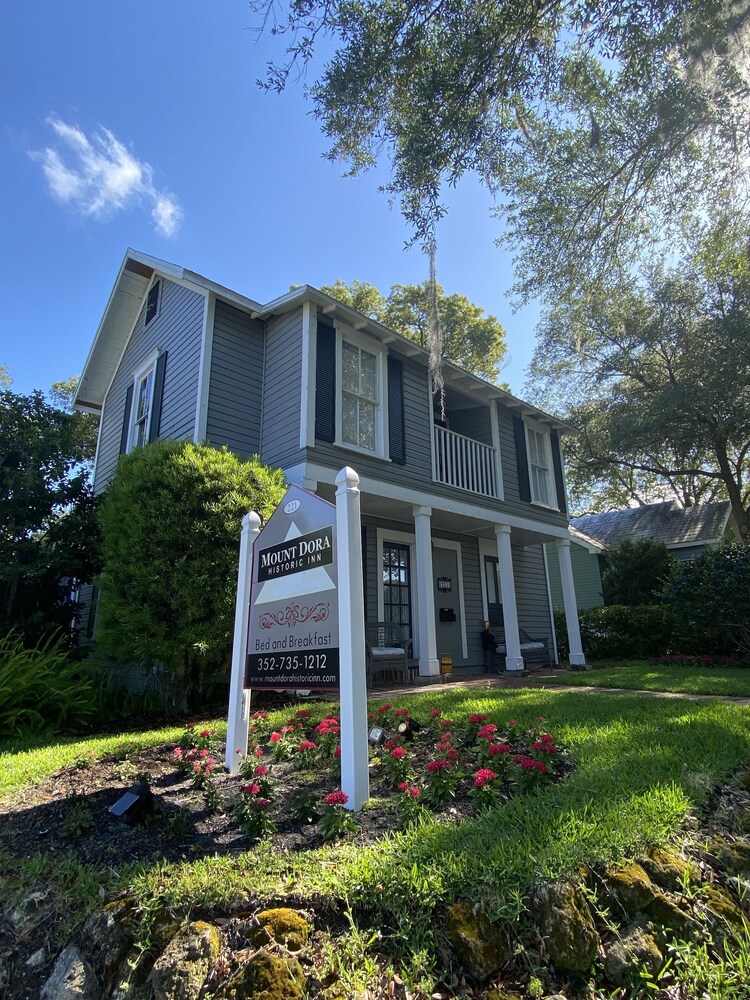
(335, 820)
(328, 735)
(486, 788)
(253, 812)
(409, 805)
(395, 761)
(441, 776)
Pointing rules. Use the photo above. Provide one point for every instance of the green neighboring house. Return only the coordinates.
(686, 531)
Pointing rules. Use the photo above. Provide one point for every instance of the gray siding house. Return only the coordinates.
(456, 507)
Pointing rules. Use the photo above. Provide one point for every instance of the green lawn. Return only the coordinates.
(645, 676)
(643, 766)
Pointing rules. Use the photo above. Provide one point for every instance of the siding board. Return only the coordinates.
(236, 387)
(177, 329)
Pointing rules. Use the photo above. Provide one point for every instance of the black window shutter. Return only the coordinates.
(557, 465)
(325, 383)
(161, 364)
(126, 420)
(522, 461)
(396, 429)
(152, 302)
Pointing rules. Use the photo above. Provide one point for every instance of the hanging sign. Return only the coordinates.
(293, 628)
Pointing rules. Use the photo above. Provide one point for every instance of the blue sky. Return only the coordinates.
(141, 125)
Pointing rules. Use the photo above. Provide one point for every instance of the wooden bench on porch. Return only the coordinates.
(387, 653)
(534, 651)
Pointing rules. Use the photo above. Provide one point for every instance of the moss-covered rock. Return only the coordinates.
(268, 976)
(107, 932)
(721, 905)
(498, 993)
(733, 856)
(564, 920)
(667, 869)
(634, 949)
(479, 945)
(181, 970)
(627, 888)
(282, 926)
(671, 917)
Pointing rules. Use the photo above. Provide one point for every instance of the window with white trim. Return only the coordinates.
(360, 414)
(143, 404)
(540, 466)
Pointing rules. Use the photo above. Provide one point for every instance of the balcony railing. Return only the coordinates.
(464, 463)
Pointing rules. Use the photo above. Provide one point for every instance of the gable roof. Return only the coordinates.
(667, 522)
(135, 276)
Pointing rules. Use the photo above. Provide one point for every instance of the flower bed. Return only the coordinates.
(289, 778)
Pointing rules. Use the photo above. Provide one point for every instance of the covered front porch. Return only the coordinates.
(440, 570)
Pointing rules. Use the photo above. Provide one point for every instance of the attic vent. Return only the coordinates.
(152, 302)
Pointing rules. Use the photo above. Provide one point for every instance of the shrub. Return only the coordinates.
(171, 523)
(636, 573)
(620, 632)
(709, 599)
(41, 690)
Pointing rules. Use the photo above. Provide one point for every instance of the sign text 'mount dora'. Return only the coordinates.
(306, 552)
(293, 622)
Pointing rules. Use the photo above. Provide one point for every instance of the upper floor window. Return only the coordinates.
(143, 402)
(359, 396)
(540, 467)
(361, 410)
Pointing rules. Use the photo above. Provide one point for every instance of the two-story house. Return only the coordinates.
(456, 505)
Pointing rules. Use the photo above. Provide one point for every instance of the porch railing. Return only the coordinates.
(464, 463)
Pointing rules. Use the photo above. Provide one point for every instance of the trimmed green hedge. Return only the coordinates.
(621, 632)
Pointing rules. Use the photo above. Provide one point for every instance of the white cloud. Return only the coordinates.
(98, 175)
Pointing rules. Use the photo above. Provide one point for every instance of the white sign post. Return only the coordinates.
(299, 620)
(355, 776)
(237, 720)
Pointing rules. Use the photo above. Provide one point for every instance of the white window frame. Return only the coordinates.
(543, 432)
(149, 365)
(347, 335)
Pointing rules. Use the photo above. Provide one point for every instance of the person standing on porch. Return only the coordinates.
(489, 647)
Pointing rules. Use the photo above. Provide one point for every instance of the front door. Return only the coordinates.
(447, 605)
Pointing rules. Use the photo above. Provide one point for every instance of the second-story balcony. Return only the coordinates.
(464, 463)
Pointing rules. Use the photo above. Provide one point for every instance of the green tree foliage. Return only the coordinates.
(709, 597)
(636, 572)
(47, 515)
(171, 523)
(85, 425)
(599, 124)
(470, 338)
(657, 379)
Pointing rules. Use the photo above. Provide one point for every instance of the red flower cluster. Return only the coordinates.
(385, 708)
(261, 770)
(529, 764)
(328, 725)
(401, 713)
(483, 777)
(398, 753)
(260, 715)
(336, 799)
(302, 714)
(436, 713)
(307, 745)
(545, 744)
(434, 766)
(274, 737)
(498, 748)
(250, 788)
(488, 731)
(477, 719)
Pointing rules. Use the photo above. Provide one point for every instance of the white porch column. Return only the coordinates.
(429, 665)
(513, 658)
(577, 659)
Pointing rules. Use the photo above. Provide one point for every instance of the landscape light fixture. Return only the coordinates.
(408, 728)
(133, 807)
(376, 736)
